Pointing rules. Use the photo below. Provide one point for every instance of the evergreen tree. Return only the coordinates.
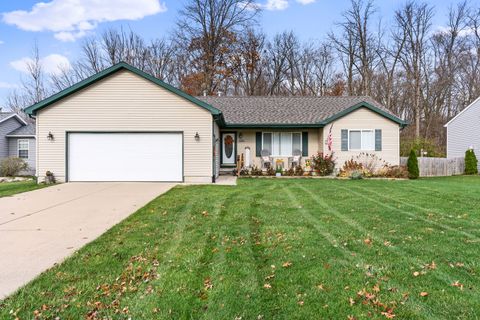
(471, 162)
(412, 165)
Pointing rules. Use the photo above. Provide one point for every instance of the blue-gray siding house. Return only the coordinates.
(17, 139)
(463, 131)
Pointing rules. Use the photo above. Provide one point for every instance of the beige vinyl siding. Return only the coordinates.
(366, 119)
(125, 101)
(248, 140)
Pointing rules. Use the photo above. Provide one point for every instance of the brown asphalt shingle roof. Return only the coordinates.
(252, 110)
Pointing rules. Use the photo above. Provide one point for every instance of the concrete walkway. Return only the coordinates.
(43, 227)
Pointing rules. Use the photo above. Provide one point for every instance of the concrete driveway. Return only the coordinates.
(43, 227)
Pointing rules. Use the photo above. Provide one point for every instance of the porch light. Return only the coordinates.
(197, 137)
(50, 136)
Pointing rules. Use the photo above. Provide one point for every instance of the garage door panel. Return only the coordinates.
(125, 157)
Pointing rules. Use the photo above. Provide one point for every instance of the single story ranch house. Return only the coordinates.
(125, 125)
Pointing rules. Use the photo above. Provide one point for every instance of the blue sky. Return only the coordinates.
(58, 26)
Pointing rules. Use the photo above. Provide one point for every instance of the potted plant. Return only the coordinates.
(308, 167)
(278, 172)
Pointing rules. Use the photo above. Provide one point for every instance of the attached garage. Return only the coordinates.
(125, 156)
(125, 125)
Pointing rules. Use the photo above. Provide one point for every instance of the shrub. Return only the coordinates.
(322, 164)
(290, 172)
(256, 171)
(370, 162)
(356, 175)
(412, 165)
(350, 166)
(270, 171)
(471, 162)
(433, 148)
(298, 171)
(244, 172)
(400, 172)
(12, 166)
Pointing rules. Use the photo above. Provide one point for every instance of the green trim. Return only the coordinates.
(224, 165)
(32, 110)
(367, 105)
(305, 143)
(258, 143)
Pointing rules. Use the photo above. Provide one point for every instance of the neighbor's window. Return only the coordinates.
(361, 140)
(23, 148)
(282, 143)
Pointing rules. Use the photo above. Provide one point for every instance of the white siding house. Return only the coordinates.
(463, 131)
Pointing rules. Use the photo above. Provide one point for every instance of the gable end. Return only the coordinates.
(32, 110)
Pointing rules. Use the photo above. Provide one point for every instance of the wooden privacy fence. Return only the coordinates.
(431, 167)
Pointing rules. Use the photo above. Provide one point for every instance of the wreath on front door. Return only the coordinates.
(228, 142)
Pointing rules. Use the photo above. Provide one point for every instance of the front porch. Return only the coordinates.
(278, 145)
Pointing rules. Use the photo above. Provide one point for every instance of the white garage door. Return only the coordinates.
(125, 157)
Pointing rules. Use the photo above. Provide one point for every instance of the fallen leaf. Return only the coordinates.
(368, 241)
(207, 284)
(269, 277)
(416, 274)
(300, 303)
(376, 288)
(267, 286)
(423, 294)
(458, 285)
(287, 264)
(351, 301)
(388, 315)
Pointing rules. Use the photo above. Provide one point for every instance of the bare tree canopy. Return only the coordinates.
(419, 71)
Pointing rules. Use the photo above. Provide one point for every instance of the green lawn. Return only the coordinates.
(11, 188)
(278, 249)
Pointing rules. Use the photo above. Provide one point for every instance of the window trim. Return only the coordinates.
(291, 141)
(361, 139)
(27, 149)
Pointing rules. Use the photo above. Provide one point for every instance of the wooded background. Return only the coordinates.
(423, 74)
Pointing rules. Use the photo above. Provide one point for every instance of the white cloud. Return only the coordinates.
(51, 64)
(304, 2)
(275, 5)
(6, 85)
(2, 42)
(71, 19)
(462, 33)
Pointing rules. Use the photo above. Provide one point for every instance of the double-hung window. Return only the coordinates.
(281, 144)
(23, 147)
(361, 140)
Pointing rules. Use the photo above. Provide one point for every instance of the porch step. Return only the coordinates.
(226, 171)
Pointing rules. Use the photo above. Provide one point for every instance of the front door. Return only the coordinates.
(229, 148)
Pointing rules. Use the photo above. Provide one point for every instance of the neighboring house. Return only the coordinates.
(125, 125)
(17, 139)
(463, 131)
